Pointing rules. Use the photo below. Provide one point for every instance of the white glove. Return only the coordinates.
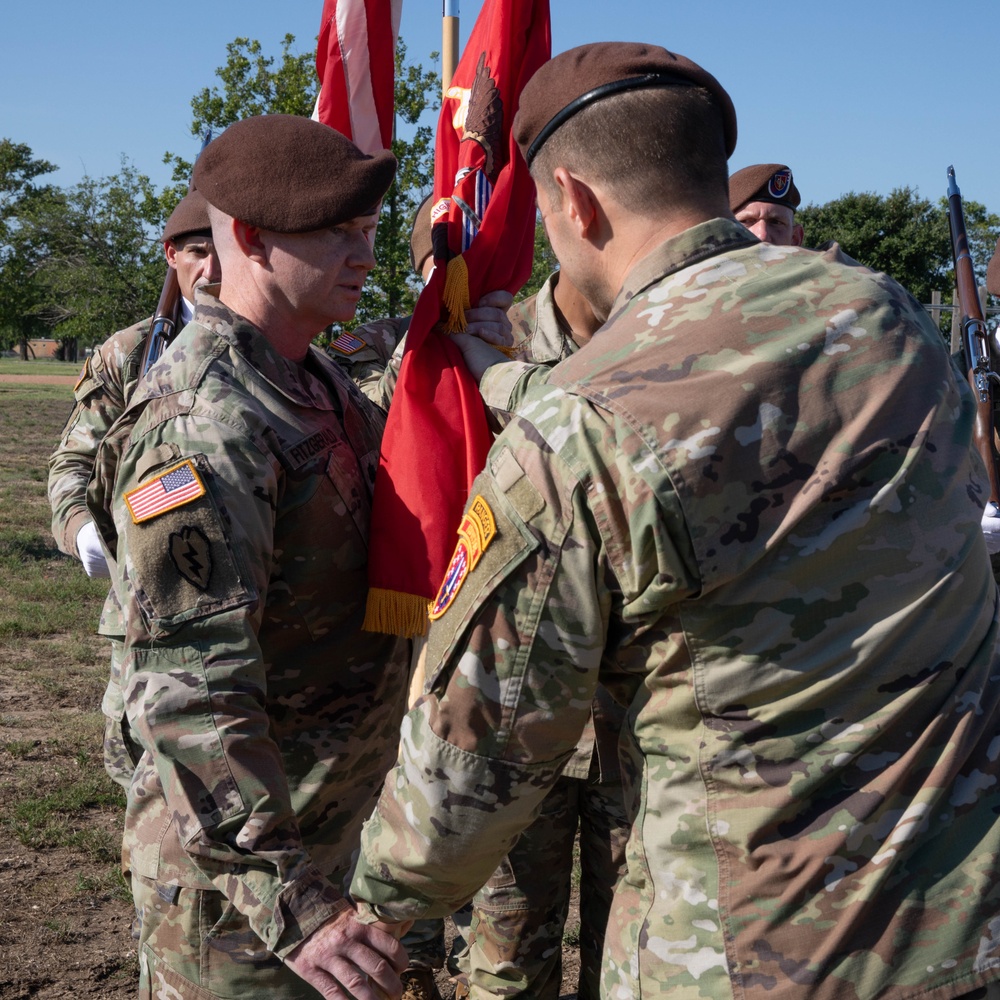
(88, 544)
(991, 528)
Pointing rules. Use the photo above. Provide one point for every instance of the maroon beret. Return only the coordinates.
(763, 182)
(578, 77)
(189, 216)
(420, 236)
(993, 272)
(290, 174)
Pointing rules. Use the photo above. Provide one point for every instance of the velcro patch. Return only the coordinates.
(347, 343)
(171, 489)
(477, 530)
(84, 372)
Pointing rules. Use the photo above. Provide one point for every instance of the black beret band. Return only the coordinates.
(606, 90)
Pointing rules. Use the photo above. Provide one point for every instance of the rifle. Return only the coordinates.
(975, 339)
(164, 327)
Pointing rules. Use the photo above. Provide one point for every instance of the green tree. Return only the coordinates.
(542, 265)
(103, 266)
(20, 196)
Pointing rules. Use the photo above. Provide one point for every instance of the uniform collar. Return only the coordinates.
(293, 379)
(707, 239)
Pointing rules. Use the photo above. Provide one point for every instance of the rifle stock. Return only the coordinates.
(975, 337)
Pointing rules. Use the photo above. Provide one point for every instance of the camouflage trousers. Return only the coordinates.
(121, 752)
(518, 917)
(194, 945)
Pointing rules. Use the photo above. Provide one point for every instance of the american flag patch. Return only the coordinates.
(174, 488)
(347, 343)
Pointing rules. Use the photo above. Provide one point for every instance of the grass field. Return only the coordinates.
(66, 919)
(14, 366)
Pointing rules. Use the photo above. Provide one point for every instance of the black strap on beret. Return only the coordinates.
(605, 90)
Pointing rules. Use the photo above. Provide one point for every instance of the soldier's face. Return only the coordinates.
(195, 260)
(771, 223)
(321, 274)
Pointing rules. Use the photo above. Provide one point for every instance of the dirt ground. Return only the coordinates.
(39, 379)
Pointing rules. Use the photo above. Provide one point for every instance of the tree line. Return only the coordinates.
(78, 263)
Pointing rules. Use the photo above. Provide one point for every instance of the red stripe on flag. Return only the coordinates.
(355, 60)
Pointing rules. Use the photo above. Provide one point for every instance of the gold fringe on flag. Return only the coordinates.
(395, 613)
(456, 294)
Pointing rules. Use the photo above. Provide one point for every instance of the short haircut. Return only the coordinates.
(655, 149)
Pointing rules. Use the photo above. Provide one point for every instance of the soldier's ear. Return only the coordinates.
(798, 235)
(249, 241)
(580, 203)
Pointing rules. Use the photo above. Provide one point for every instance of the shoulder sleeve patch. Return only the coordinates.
(84, 373)
(477, 530)
(173, 488)
(347, 343)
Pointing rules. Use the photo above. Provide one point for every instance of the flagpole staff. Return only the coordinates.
(449, 42)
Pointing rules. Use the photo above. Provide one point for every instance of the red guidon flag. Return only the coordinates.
(483, 226)
(356, 63)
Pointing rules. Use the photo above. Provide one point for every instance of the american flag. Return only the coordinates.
(356, 63)
(173, 488)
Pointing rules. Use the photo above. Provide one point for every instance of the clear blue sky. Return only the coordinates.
(862, 96)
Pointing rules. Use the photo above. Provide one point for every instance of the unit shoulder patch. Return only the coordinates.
(477, 530)
(171, 489)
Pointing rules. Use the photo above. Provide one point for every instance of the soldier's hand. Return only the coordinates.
(88, 544)
(346, 958)
(477, 354)
(488, 321)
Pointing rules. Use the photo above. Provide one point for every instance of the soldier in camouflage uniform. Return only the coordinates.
(749, 507)
(105, 386)
(235, 495)
(519, 917)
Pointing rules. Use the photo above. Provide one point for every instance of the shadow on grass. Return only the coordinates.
(28, 547)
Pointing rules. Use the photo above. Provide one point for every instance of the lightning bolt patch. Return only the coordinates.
(191, 553)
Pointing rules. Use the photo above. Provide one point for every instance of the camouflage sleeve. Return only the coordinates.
(99, 400)
(194, 581)
(521, 626)
(504, 386)
(371, 355)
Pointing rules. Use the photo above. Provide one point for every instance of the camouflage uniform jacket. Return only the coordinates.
(267, 717)
(105, 385)
(542, 338)
(365, 355)
(750, 506)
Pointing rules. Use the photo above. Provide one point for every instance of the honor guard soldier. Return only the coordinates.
(764, 197)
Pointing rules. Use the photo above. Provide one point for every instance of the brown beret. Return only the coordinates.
(290, 174)
(420, 236)
(579, 77)
(189, 216)
(763, 182)
(993, 272)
